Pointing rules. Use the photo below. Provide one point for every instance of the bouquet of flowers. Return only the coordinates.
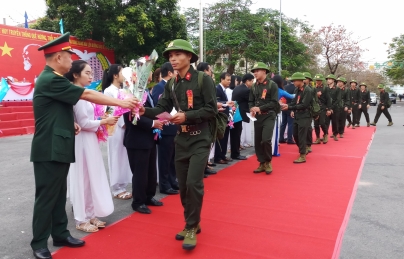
(102, 132)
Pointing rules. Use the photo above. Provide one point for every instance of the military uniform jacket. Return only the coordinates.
(264, 96)
(354, 96)
(335, 95)
(301, 103)
(345, 98)
(204, 106)
(324, 98)
(54, 97)
(365, 97)
(384, 98)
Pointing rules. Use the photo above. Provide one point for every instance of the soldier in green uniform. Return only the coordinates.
(264, 105)
(341, 82)
(196, 106)
(307, 82)
(300, 106)
(383, 106)
(354, 102)
(335, 94)
(52, 148)
(365, 104)
(323, 94)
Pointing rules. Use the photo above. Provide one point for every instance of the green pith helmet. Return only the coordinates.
(331, 76)
(260, 65)
(342, 79)
(363, 83)
(381, 86)
(319, 77)
(297, 76)
(182, 45)
(353, 81)
(307, 75)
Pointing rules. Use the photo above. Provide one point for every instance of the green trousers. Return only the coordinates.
(191, 156)
(300, 129)
(263, 130)
(50, 200)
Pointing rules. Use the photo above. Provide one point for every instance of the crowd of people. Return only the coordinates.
(177, 152)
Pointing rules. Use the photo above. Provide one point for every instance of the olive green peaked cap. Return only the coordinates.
(342, 79)
(331, 76)
(297, 76)
(319, 77)
(59, 44)
(182, 45)
(260, 65)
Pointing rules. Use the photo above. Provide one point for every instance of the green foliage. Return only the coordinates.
(46, 24)
(132, 28)
(233, 32)
(396, 55)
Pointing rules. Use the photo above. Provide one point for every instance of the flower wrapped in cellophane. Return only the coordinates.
(102, 132)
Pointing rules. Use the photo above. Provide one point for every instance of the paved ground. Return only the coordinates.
(375, 230)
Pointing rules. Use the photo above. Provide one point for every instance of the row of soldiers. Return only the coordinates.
(336, 102)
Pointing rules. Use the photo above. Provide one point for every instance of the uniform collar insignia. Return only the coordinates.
(57, 73)
(265, 82)
(188, 76)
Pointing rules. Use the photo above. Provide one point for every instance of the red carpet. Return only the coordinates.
(299, 211)
(16, 118)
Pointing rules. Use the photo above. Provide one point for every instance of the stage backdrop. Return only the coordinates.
(21, 60)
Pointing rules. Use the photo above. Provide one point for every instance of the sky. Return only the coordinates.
(381, 21)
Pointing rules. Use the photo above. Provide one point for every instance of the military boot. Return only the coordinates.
(181, 235)
(189, 242)
(335, 137)
(373, 123)
(368, 124)
(260, 169)
(353, 126)
(349, 125)
(268, 167)
(308, 150)
(300, 159)
(341, 135)
(325, 139)
(390, 123)
(357, 125)
(318, 141)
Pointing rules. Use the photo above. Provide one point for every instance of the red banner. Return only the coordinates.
(21, 61)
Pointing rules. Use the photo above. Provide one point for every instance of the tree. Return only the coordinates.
(45, 24)
(233, 32)
(395, 68)
(132, 28)
(336, 47)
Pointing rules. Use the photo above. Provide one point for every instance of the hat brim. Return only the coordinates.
(311, 79)
(167, 51)
(252, 70)
(297, 79)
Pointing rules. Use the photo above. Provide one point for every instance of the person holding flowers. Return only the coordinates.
(118, 164)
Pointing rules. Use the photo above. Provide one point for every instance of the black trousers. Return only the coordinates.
(333, 119)
(235, 137)
(166, 162)
(309, 140)
(320, 123)
(379, 112)
(343, 116)
(363, 110)
(355, 111)
(300, 129)
(50, 200)
(144, 174)
(221, 146)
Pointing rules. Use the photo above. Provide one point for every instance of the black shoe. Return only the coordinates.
(170, 191)
(154, 202)
(291, 143)
(42, 253)
(228, 159)
(210, 171)
(70, 242)
(211, 164)
(205, 176)
(142, 209)
(240, 158)
(176, 187)
(222, 162)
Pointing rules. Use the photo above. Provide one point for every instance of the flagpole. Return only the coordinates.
(200, 32)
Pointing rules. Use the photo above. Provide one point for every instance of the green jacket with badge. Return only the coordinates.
(300, 105)
(53, 100)
(266, 102)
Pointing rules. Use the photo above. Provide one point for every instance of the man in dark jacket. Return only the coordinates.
(365, 104)
(383, 106)
(166, 148)
(240, 95)
(287, 119)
